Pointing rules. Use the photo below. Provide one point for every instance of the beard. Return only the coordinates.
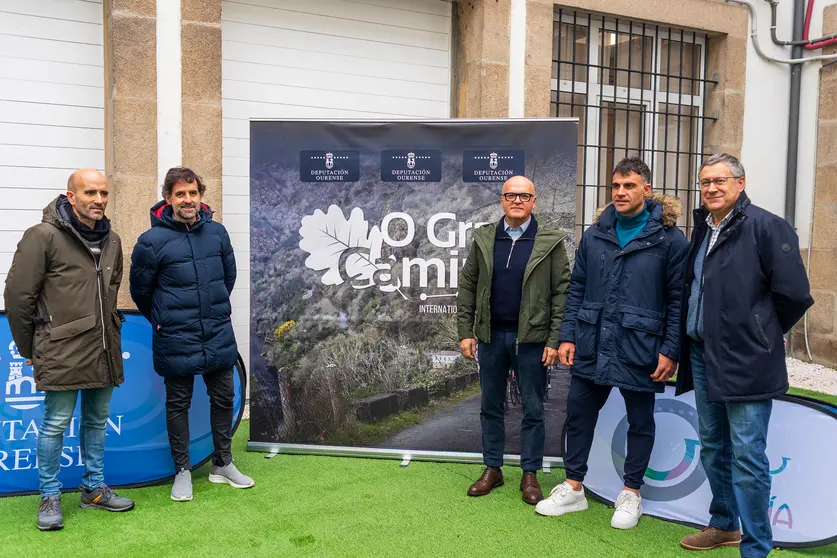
(187, 213)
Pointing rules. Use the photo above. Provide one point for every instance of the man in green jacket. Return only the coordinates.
(512, 293)
(61, 303)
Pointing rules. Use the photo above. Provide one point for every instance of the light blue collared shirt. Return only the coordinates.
(516, 232)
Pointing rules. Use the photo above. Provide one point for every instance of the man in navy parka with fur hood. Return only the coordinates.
(621, 329)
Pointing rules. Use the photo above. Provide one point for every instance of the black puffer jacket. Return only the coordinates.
(181, 280)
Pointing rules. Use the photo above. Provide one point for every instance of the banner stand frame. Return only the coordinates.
(385, 453)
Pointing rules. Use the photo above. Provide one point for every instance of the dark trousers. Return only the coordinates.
(495, 359)
(221, 390)
(584, 402)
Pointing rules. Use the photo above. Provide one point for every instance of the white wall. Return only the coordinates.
(326, 59)
(51, 107)
(764, 152)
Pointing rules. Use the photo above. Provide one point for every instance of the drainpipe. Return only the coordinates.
(808, 44)
(793, 117)
(754, 36)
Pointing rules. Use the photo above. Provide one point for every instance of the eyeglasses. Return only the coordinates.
(523, 197)
(719, 181)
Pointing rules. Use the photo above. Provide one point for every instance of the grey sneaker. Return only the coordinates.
(181, 491)
(50, 517)
(103, 498)
(230, 475)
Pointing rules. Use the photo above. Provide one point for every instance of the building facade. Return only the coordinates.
(133, 87)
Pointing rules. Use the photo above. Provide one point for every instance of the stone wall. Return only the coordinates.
(822, 318)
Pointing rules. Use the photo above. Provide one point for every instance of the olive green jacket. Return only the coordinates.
(546, 281)
(62, 306)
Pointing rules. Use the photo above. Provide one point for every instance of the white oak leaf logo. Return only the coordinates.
(334, 242)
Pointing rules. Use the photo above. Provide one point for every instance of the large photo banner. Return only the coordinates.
(358, 232)
(800, 446)
(137, 450)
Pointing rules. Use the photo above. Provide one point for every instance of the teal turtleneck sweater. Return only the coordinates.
(628, 227)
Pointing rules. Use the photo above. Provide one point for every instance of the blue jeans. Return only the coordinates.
(58, 412)
(495, 359)
(733, 438)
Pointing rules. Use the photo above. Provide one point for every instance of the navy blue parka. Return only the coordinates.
(181, 280)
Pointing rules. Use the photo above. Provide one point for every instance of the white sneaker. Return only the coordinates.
(628, 510)
(563, 499)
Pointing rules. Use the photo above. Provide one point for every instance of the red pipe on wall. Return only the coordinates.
(806, 29)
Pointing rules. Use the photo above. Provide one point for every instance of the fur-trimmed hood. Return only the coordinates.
(670, 206)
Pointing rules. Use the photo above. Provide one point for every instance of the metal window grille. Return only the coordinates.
(638, 89)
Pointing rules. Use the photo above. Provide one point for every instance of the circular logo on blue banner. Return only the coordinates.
(678, 481)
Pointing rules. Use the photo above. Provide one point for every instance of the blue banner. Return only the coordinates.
(137, 449)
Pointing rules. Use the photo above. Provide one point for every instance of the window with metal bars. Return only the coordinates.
(638, 89)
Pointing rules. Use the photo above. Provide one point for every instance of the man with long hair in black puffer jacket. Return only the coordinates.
(182, 274)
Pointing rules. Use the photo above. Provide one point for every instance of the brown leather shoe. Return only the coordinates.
(488, 481)
(532, 493)
(711, 538)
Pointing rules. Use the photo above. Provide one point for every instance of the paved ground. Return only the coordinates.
(458, 428)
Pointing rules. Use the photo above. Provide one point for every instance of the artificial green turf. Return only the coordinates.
(326, 506)
(815, 394)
